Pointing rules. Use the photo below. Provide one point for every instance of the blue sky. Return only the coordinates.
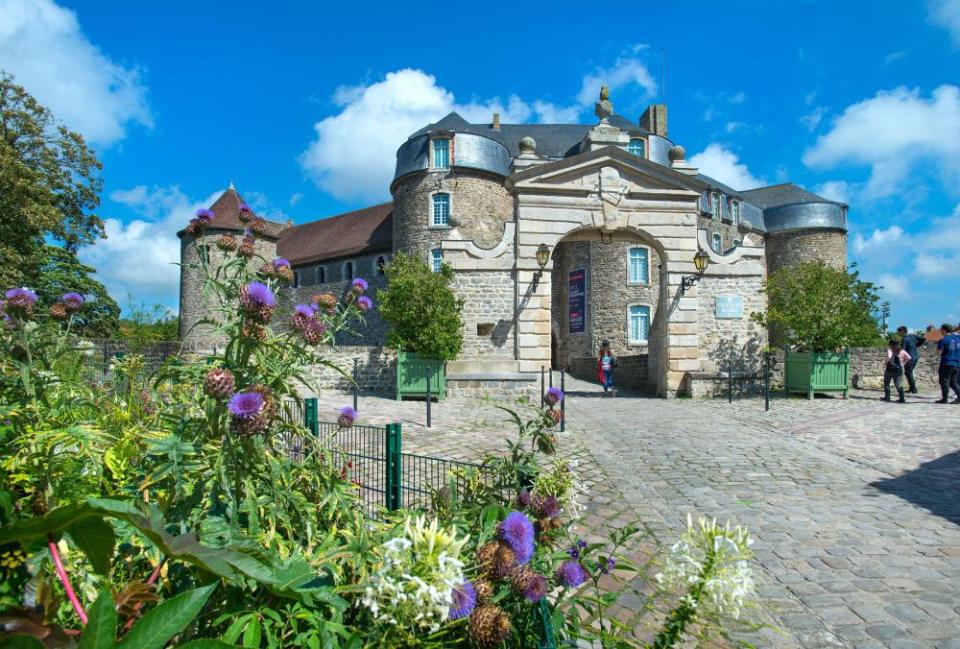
(302, 106)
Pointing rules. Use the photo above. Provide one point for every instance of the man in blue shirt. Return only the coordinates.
(910, 344)
(949, 348)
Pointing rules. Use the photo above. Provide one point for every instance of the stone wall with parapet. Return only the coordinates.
(376, 369)
(503, 391)
(867, 365)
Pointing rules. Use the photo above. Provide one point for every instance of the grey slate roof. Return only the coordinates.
(784, 194)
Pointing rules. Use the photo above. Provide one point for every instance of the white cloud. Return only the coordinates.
(626, 71)
(936, 265)
(946, 14)
(725, 166)
(893, 133)
(43, 45)
(879, 241)
(894, 56)
(353, 154)
(894, 285)
(295, 198)
(835, 190)
(812, 119)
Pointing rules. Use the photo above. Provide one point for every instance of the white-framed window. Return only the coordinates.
(638, 324)
(715, 206)
(638, 265)
(440, 210)
(735, 211)
(441, 153)
(717, 243)
(637, 147)
(436, 259)
(321, 275)
(380, 265)
(348, 271)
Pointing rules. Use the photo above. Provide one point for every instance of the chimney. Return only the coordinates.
(654, 119)
(496, 121)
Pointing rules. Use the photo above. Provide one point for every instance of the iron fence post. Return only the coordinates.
(551, 376)
(310, 421)
(543, 394)
(394, 468)
(429, 399)
(355, 385)
(563, 404)
(730, 381)
(766, 382)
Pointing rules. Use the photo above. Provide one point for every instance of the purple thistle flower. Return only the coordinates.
(21, 295)
(244, 207)
(536, 588)
(523, 499)
(205, 215)
(516, 531)
(347, 416)
(360, 285)
(73, 301)
(305, 310)
(258, 294)
(554, 396)
(364, 303)
(571, 574)
(280, 262)
(245, 404)
(464, 600)
(546, 506)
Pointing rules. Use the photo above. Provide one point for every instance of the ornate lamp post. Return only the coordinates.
(543, 256)
(700, 261)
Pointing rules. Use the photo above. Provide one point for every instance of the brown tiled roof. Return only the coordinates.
(362, 231)
(227, 211)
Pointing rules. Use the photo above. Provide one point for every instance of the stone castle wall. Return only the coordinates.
(489, 330)
(792, 248)
(729, 233)
(376, 369)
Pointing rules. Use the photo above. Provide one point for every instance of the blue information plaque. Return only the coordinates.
(729, 307)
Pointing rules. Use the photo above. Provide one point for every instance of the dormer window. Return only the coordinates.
(715, 206)
(440, 216)
(441, 153)
(637, 147)
(735, 211)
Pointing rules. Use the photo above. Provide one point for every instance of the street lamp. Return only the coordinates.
(700, 261)
(543, 256)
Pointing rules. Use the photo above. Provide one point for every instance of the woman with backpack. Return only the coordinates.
(606, 361)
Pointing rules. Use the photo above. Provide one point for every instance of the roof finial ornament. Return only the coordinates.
(604, 108)
(231, 185)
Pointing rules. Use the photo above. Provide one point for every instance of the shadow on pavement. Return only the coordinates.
(934, 485)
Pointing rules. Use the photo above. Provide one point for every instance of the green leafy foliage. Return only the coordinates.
(61, 272)
(820, 308)
(424, 314)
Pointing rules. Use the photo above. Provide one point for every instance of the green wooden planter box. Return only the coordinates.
(809, 372)
(412, 372)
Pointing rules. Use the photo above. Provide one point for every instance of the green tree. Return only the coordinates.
(145, 325)
(423, 313)
(819, 308)
(61, 272)
(49, 186)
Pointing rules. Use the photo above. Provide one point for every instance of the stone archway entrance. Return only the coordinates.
(612, 193)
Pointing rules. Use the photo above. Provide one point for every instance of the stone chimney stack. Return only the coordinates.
(654, 119)
(496, 121)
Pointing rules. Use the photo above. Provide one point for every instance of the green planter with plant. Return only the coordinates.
(817, 312)
(426, 323)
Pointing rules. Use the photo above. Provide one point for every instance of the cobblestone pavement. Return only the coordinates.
(854, 504)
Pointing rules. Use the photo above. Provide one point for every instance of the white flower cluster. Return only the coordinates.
(413, 586)
(716, 558)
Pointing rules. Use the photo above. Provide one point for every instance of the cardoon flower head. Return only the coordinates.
(523, 499)
(72, 301)
(364, 303)
(546, 506)
(313, 332)
(516, 531)
(245, 404)
(204, 216)
(304, 310)
(536, 588)
(554, 396)
(280, 262)
(360, 285)
(244, 208)
(20, 301)
(255, 296)
(347, 416)
(464, 600)
(571, 574)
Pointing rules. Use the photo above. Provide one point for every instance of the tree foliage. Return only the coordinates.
(145, 325)
(61, 272)
(424, 314)
(819, 308)
(49, 185)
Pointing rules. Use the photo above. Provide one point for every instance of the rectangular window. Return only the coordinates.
(639, 324)
(715, 206)
(636, 147)
(441, 154)
(321, 275)
(735, 208)
(639, 270)
(348, 270)
(441, 209)
(436, 259)
(717, 243)
(296, 279)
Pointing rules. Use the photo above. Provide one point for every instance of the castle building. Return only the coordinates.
(620, 214)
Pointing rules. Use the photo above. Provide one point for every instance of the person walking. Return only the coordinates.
(911, 344)
(897, 360)
(949, 348)
(606, 361)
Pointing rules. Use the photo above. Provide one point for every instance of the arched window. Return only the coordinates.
(717, 243)
(638, 324)
(441, 210)
(348, 271)
(436, 259)
(381, 265)
(441, 153)
(636, 147)
(638, 265)
(321, 275)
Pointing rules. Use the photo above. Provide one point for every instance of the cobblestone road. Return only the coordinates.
(854, 504)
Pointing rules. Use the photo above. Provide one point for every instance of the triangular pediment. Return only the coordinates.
(585, 172)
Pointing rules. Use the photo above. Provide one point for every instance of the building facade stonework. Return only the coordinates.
(621, 214)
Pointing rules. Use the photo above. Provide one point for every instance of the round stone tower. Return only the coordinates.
(195, 303)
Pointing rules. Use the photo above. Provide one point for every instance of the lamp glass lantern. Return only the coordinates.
(543, 256)
(701, 260)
